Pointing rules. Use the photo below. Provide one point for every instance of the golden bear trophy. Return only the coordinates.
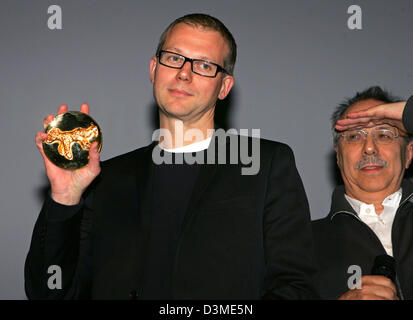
(69, 138)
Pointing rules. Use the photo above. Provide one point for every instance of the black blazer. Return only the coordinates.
(243, 236)
(342, 240)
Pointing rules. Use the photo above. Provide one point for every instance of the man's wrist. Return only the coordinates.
(56, 211)
(66, 199)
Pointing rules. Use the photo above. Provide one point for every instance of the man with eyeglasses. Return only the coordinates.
(132, 229)
(371, 215)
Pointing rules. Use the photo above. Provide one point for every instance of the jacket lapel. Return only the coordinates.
(340, 204)
(407, 189)
(144, 173)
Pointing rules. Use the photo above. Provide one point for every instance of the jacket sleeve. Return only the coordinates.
(287, 232)
(407, 116)
(58, 262)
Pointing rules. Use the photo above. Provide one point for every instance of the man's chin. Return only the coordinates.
(175, 111)
(373, 186)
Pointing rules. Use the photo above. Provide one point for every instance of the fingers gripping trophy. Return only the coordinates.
(70, 147)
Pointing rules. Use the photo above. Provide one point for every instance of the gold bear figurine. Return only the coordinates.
(66, 139)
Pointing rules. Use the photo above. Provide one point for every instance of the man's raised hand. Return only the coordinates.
(389, 113)
(67, 186)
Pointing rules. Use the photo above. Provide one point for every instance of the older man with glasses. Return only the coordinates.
(364, 246)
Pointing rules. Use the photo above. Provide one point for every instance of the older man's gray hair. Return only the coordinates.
(375, 93)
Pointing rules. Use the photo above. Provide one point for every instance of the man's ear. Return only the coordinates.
(152, 68)
(337, 149)
(409, 154)
(227, 84)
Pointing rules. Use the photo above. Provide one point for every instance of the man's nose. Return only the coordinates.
(369, 146)
(185, 73)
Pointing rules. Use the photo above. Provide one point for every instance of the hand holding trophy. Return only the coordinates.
(70, 149)
(69, 138)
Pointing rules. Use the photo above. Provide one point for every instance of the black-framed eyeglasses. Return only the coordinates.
(380, 136)
(202, 67)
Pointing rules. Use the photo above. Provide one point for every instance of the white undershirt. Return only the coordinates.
(380, 224)
(193, 147)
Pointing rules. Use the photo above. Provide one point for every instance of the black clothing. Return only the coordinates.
(342, 239)
(242, 236)
(172, 185)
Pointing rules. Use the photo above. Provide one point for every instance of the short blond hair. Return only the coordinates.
(210, 23)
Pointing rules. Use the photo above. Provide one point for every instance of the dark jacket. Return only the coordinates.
(342, 239)
(243, 236)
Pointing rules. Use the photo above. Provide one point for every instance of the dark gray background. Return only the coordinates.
(297, 60)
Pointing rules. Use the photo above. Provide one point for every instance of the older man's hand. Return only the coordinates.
(373, 288)
(389, 113)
